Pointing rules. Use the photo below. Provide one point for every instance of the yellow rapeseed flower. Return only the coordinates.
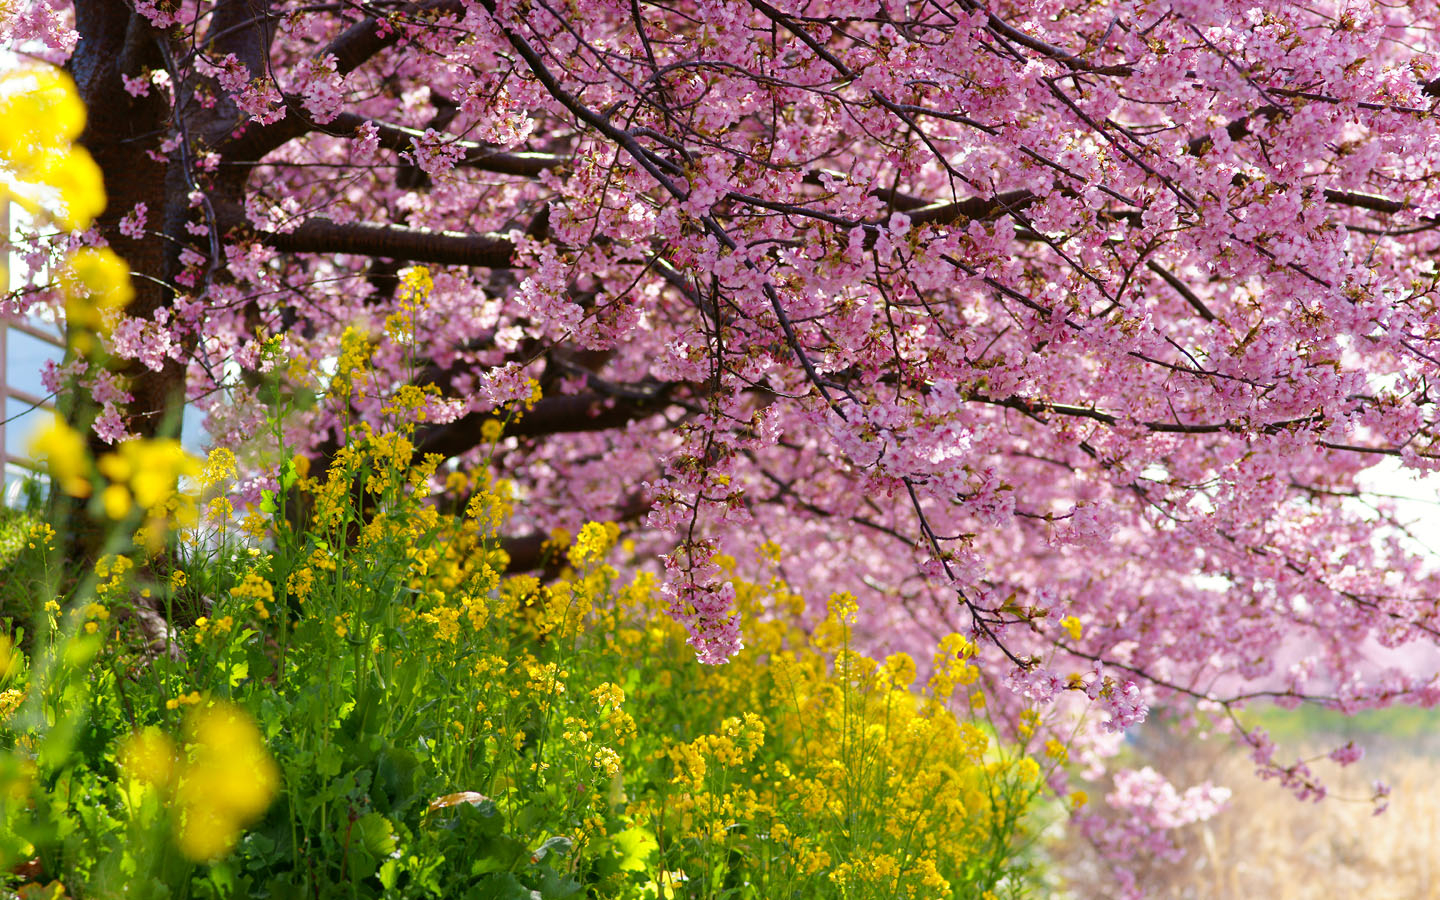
(900, 669)
(116, 499)
(607, 762)
(62, 449)
(843, 607)
(9, 659)
(1072, 627)
(95, 281)
(150, 468)
(41, 116)
(10, 701)
(150, 756)
(219, 466)
(607, 694)
(594, 541)
(227, 782)
(300, 583)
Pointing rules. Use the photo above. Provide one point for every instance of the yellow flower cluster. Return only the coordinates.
(221, 780)
(257, 592)
(354, 359)
(490, 505)
(594, 541)
(41, 117)
(1072, 627)
(445, 620)
(41, 535)
(951, 667)
(10, 700)
(62, 449)
(96, 285)
(112, 578)
(408, 403)
(220, 466)
(853, 776)
(206, 627)
(300, 583)
(826, 735)
(95, 614)
(190, 699)
(415, 287)
(147, 473)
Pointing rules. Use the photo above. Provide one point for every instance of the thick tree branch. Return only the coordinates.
(244, 28)
(449, 248)
(1365, 201)
(1236, 130)
(565, 414)
(1035, 407)
(352, 48)
(477, 156)
(972, 209)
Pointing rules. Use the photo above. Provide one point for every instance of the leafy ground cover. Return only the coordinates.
(355, 700)
(336, 690)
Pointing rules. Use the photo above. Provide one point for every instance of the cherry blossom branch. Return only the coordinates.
(477, 156)
(318, 234)
(352, 48)
(562, 414)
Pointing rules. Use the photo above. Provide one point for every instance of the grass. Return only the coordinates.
(1409, 725)
(1268, 844)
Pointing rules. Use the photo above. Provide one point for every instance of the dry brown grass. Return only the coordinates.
(1270, 846)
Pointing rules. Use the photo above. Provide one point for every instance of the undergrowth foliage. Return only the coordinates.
(369, 706)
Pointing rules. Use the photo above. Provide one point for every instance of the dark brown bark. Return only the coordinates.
(119, 130)
(352, 48)
(566, 414)
(321, 235)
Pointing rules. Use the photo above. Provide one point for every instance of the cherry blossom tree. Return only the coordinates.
(1070, 326)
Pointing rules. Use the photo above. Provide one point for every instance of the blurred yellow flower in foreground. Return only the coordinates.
(149, 755)
(40, 117)
(8, 657)
(149, 470)
(227, 781)
(63, 449)
(95, 281)
(220, 781)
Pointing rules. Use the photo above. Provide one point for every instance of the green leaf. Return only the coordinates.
(389, 874)
(501, 886)
(635, 846)
(239, 671)
(557, 885)
(329, 761)
(288, 475)
(222, 878)
(378, 834)
(558, 845)
(498, 854)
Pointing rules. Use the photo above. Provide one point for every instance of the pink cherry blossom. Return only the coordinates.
(133, 225)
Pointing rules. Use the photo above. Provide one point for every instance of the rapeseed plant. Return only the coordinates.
(372, 659)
